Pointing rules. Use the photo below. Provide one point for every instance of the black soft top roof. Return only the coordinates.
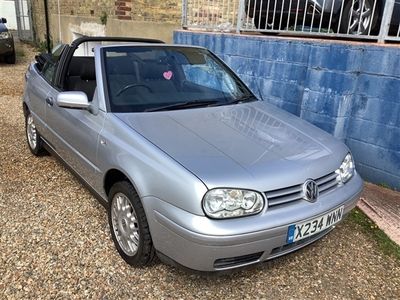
(84, 39)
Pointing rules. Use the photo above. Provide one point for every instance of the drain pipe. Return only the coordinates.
(46, 15)
(59, 21)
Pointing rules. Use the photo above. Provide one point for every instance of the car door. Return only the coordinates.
(36, 91)
(74, 134)
(40, 84)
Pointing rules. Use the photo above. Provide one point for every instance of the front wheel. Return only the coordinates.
(128, 225)
(260, 22)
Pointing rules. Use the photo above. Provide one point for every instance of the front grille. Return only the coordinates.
(236, 261)
(294, 193)
(289, 247)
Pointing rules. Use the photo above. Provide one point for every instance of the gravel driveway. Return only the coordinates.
(55, 242)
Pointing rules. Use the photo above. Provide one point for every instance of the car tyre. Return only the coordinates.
(35, 142)
(10, 59)
(261, 25)
(259, 22)
(353, 19)
(128, 225)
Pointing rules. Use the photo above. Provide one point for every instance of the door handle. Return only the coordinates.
(49, 101)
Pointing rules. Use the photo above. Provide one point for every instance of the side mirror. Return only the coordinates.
(75, 99)
(3, 20)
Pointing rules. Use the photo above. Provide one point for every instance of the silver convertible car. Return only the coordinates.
(189, 164)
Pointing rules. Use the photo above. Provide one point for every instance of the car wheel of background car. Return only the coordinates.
(10, 59)
(357, 17)
(261, 25)
(35, 142)
(128, 225)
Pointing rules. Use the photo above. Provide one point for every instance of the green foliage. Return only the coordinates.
(384, 185)
(103, 18)
(42, 45)
(19, 52)
(369, 227)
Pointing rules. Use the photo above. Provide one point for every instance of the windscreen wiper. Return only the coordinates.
(183, 105)
(244, 98)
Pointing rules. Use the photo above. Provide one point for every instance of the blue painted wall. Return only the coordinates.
(350, 90)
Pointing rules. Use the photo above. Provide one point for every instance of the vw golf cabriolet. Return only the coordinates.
(189, 164)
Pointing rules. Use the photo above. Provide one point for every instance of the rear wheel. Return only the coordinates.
(10, 59)
(33, 138)
(128, 225)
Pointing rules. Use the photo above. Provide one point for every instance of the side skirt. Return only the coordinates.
(53, 152)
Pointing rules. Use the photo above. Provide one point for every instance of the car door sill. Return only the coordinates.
(52, 151)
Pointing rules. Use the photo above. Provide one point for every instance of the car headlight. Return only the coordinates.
(346, 170)
(231, 203)
(5, 35)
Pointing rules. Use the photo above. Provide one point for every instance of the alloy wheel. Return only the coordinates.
(31, 132)
(125, 224)
(360, 17)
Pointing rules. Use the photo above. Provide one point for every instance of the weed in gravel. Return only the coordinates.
(20, 52)
(369, 227)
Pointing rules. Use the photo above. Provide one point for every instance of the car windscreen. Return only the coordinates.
(146, 78)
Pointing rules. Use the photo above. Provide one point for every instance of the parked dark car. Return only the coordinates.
(7, 49)
(353, 17)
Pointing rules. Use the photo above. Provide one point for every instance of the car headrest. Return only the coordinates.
(120, 66)
(154, 71)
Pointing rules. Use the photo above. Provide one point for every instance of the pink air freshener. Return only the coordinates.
(168, 75)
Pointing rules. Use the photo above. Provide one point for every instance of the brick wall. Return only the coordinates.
(139, 10)
(350, 90)
(162, 11)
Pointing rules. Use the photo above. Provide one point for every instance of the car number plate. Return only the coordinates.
(297, 232)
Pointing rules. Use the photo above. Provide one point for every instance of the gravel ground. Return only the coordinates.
(55, 242)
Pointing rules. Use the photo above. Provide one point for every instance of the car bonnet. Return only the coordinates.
(243, 144)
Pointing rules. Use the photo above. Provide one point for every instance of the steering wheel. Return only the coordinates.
(133, 85)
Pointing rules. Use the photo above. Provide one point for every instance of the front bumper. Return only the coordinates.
(202, 244)
(6, 46)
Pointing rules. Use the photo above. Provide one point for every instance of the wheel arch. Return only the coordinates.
(113, 176)
(25, 108)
